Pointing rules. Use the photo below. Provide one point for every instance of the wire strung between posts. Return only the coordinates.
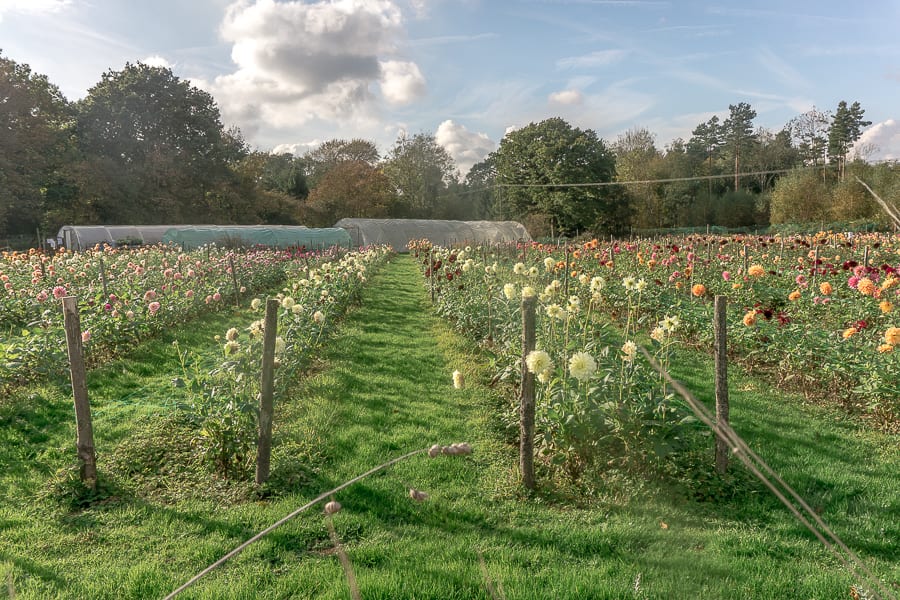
(284, 520)
(756, 465)
(638, 182)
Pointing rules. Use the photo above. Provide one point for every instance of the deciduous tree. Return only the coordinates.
(540, 155)
(35, 144)
(420, 170)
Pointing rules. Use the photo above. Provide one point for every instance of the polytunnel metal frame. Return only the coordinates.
(399, 232)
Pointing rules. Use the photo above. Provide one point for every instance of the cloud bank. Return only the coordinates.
(296, 62)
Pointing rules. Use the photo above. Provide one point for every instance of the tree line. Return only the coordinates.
(145, 147)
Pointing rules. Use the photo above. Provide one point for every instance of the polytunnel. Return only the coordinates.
(273, 236)
(81, 237)
(399, 232)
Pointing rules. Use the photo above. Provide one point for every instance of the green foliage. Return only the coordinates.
(221, 404)
(800, 196)
(553, 152)
(846, 127)
(420, 170)
(35, 144)
(159, 142)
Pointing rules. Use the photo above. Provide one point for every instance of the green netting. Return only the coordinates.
(399, 232)
(273, 236)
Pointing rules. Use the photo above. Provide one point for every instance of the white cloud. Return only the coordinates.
(605, 110)
(32, 7)
(600, 58)
(298, 62)
(567, 97)
(466, 147)
(884, 137)
(297, 149)
(401, 82)
(157, 61)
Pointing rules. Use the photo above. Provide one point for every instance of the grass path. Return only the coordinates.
(383, 388)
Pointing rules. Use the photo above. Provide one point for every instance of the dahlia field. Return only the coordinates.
(124, 296)
(814, 314)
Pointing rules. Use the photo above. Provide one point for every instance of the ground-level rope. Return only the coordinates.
(287, 518)
(758, 466)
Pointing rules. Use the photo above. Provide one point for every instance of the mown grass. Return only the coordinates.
(383, 388)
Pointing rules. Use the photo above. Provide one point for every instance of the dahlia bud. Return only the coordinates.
(417, 495)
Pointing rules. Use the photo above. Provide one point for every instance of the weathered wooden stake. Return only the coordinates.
(721, 361)
(237, 290)
(526, 401)
(815, 269)
(431, 271)
(266, 392)
(567, 270)
(103, 279)
(746, 259)
(866, 257)
(84, 442)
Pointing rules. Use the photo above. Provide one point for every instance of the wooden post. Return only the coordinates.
(103, 280)
(866, 257)
(84, 441)
(746, 259)
(266, 391)
(431, 271)
(526, 401)
(721, 362)
(237, 290)
(815, 269)
(567, 271)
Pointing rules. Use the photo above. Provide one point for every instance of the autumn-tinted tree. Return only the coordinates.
(35, 123)
(331, 153)
(532, 159)
(352, 188)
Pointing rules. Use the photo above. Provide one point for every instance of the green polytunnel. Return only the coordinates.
(272, 236)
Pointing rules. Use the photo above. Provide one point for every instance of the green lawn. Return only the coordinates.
(381, 389)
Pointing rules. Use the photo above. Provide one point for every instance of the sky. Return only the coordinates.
(292, 74)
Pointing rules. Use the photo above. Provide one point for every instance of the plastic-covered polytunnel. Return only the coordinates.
(274, 236)
(399, 232)
(81, 237)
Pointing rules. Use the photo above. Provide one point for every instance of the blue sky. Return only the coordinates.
(291, 74)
